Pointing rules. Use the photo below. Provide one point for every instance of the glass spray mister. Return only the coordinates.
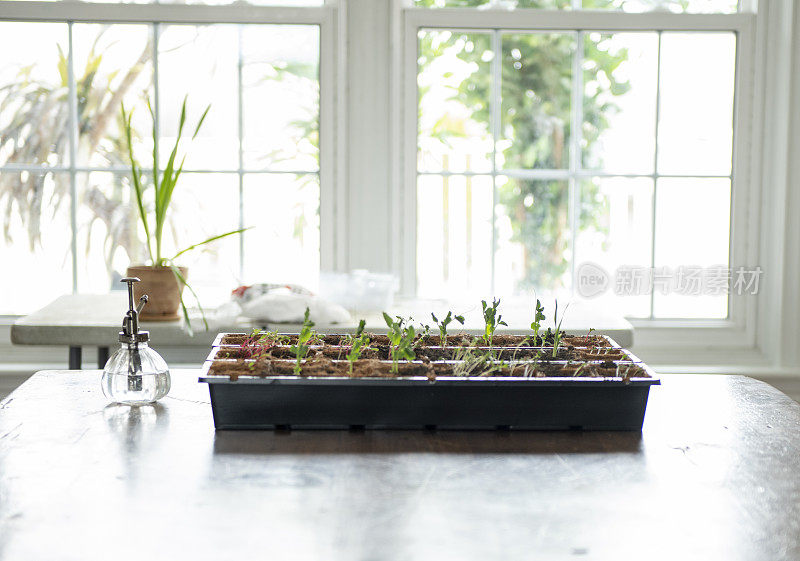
(135, 374)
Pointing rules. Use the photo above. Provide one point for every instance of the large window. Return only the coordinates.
(525, 142)
(549, 142)
(68, 219)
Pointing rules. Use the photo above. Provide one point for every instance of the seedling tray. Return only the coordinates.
(605, 395)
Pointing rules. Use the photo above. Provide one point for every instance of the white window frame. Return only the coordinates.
(738, 326)
(325, 17)
(368, 76)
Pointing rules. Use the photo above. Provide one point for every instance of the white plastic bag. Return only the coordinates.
(289, 307)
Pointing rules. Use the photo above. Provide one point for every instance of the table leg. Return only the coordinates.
(102, 357)
(75, 358)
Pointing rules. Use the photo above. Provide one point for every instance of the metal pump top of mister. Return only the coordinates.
(130, 323)
(135, 374)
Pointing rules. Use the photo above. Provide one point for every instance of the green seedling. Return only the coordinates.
(257, 346)
(347, 339)
(492, 319)
(520, 347)
(558, 333)
(472, 362)
(300, 350)
(273, 337)
(538, 318)
(625, 372)
(358, 343)
(531, 367)
(424, 331)
(395, 331)
(405, 348)
(251, 342)
(401, 340)
(442, 325)
(580, 369)
(258, 343)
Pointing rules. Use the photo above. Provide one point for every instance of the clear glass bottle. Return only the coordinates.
(135, 374)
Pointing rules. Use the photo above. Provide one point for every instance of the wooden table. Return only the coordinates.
(94, 320)
(715, 474)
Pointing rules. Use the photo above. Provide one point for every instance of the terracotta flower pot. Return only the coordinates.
(162, 289)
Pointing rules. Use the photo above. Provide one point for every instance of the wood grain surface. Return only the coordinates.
(715, 474)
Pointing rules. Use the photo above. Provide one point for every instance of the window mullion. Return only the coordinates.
(575, 147)
(497, 76)
(156, 104)
(526, 19)
(240, 132)
(163, 12)
(655, 175)
(72, 99)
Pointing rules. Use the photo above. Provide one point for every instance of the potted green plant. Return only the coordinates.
(161, 278)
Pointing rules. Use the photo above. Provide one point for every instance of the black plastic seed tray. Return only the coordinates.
(444, 403)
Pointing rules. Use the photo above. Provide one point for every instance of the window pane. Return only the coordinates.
(692, 230)
(200, 62)
(280, 78)
(34, 114)
(454, 88)
(619, 106)
(286, 2)
(493, 3)
(676, 6)
(254, 2)
(35, 246)
(283, 212)
(696, 116)
(536, 97)
(454, 235)
(113, 64)
(206, 205)
(219, 2)
(110, 236)
(533, 236)
(615, 233)
(109, 233)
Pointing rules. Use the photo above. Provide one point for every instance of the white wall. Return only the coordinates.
(368, 109)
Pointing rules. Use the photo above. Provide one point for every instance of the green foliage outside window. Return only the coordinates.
(535, 126)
